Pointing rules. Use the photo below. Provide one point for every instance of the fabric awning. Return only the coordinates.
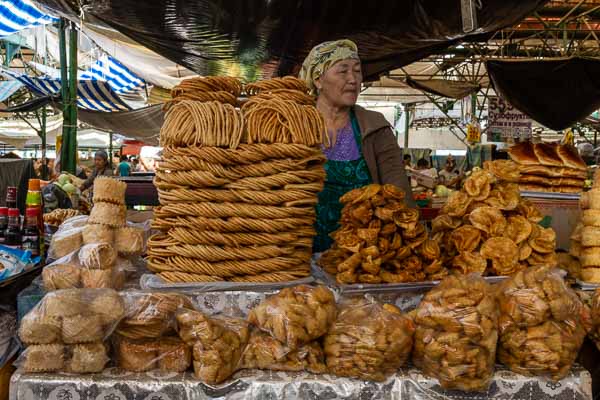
(444, 87)
(554, 92)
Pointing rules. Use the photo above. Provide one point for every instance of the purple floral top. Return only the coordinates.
(345, 147)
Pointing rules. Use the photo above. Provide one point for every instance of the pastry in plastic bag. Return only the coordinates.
(95, 233)
(65, 242)
(542, 323)
(108, 214)
(62, 275)
(266, 352)
(296, 316)
(43, 358)
(97, 256)
(110, 190)
(109, 306)
(218, 344)
(87, 358)
(137, 356)
(457, 332)
(37, 328)
(173, 355)
(368, 340)
(150, 315)
(97, 278)
(83, 328)
(129, 241)
(595, 315)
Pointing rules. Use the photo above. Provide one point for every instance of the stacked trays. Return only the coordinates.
(585, 239)
(237, 187)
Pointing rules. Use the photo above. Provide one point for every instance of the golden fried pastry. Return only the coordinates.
(590, 257)
(456, 333)
(173, 355)
(503, 252)
(109, 307)
(61, 276)
(594, 333)
(87, 358)
(97, 256)
(63, 303)
(576, 234)
(359, 195)
(590, 236)
(443, 223)
(479, 185)
(548, 259)
(149, 308)
(110, 190)
(465, 238)
(97, 278)
(468, 262)
(543, 240)
(44, 358)
(529, 211)
(296, 316)
(505, 196)
(93, 233)
(503, 170)
(108, 214)
(457, 204)
(137, 356)
(83, 328)
(368, 340)
(571, 265)
(525, 251)
(518, 229)
(38, 328)
(489, 220)
(406, 218)
(590, 200)
(590, 274)
(575, 249)
(429, 250)
(591, 218)
(266, 352)
(542, 323)
(129, 241)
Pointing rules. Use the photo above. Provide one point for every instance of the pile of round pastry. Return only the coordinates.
(381, 240)
(66, 331)
(237, 187)
(487, 227)
(585, 240)
(94, 251)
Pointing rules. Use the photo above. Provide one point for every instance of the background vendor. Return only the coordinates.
(362, 147)
(101, 167)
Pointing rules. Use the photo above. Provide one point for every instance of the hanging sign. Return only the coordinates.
(506, 122)
(473, 133)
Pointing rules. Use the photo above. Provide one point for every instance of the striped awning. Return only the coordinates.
(16, 15)
(91, 94)
(120, 79)
(8, 88)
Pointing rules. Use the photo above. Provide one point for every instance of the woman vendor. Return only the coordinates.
(100, 168)
(363, 148)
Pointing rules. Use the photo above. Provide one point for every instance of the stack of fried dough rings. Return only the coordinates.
(237, 187)
(487, 228)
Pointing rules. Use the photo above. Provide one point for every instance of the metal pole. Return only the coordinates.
(43, 135)
(110, 150)
(64, 89)
(406, 127)
(71, 164)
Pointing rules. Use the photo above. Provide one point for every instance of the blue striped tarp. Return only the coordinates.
(16, 15)
(8, 88)
(120, 79)
(91, 94)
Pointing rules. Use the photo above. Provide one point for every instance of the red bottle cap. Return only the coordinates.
(31, 212)
(3, 210)
(13, 212)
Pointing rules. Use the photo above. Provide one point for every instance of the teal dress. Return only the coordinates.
(346, 170)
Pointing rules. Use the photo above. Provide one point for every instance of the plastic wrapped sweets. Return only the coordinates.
(542, 323)
(218, 344)
(296, 316)
(67, 329)
(266, 352)
(168, 354)
(457, 332)
(368, 340)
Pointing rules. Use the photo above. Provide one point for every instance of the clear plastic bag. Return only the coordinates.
(150, 315)
(542, 323)
(296, 316)
(266, 352)
(218, 344)
(457, 333)
(168, 354)
(97, 256)
(66, 331)
(65, 241)
(594, 333)
(94, 233)
(368, 340)
(130, 241)
(78, 221)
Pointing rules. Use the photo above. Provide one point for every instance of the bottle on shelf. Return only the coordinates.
(12, 234)
(3, 223)
(31, 232)
(11, 197)
(34, 200)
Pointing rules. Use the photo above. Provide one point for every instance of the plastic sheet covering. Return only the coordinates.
(555, 92)
(444, 87)
(261, 385)
(267, 38)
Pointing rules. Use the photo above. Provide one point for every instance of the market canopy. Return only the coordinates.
(555, 92)
(267, 38)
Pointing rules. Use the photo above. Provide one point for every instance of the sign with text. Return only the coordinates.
(506, 122)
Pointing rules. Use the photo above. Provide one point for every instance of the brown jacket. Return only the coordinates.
(381, 151)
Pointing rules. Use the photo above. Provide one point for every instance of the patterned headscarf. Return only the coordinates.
(323, 56)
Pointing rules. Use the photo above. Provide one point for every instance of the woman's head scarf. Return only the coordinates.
(323, 56)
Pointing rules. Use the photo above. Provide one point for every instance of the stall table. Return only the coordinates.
(115, 384)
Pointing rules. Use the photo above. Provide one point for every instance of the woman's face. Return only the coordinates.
(99, 162)
(340, 84)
